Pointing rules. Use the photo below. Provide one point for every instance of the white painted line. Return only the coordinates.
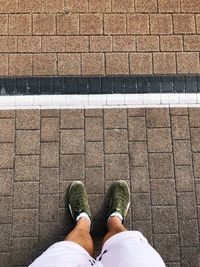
(99, 101)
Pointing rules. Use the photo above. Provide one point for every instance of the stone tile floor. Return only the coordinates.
(156, 150)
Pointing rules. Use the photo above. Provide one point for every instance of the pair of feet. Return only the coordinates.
(119, 200)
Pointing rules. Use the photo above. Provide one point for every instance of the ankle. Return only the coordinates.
(115, 224)
(83, 223)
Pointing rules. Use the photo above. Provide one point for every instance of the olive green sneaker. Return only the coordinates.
(120, 199)
(78, 200)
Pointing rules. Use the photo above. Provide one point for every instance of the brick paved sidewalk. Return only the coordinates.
(156, 150)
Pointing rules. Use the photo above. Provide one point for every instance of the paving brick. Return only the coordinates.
(53, 44)
(180, 127)
(124, 43)
(97, 204)
(20, 64)
(163, 192)
(5, 239)
(25, 195)
(44, 64)
(189, 256)
(186, 205)
(50, 154)
(194, 114)
(157, 117)
(171, 43)
(114, 24)
(3, 24)
(198, 23)
(182, 152)
(23, 257)
(5, 210)
(24, 243)
(77, 6)
(169, 5)
(196, 164)
(29, 44)
(93, 112)
(6, 155)
(26, 168)
(6, 177)
(4, 66)
(146, 6)
(188, 233)
(69, 64)
(72, 142)
(184, 178)
(159, 140)
(195, 134)
(164, 63)
(140, 180)
(53, 6)
(4, 259)
(91, 24)
(100, 43)
(184, 23)
(25, 223)
(161, 165)
(49, 181)
(141, 63)
(188, 62)
(48, 208)
(115, 118)
(191, 43)
(116, 141)
(66, 223)
(19, 24)
(137, 129)
(7, 130)
(197, 183)
(117, 63)
(28, 6)
(147, 43)
(77, 44)
(138, 153)
(44, 24)
(93, 64)
(94, 179)
(5, 114)
(49, 129)
(145, 228)
(8, 44)
(8, 6)
(116, 167)
(136, 112)
(72, 167)
(138, 24)
(161, 24)
(48, 234)
(122, 6)
(94, 154)
(100, 6)
(94, 129)
(27, 142)
(63, 191)
(179, 111)
(167, 246)
(164, 220)
(141, 207)
(67, 24)
(49, 113)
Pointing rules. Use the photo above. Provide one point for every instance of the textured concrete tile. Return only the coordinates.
(167, 246)
(164, 220)
(180, 127)
(50, 154)
(24, 243)
(23, 257)
(138, 153)
(145, 228)
(72, 119)
(72, 142)
(94, 154)
(182, 152)
(196, 164)
(115, 118)
(179, 111)
(26, 168)
(94, 179)
(25, 223)
(5, 237)
(137, 129)
(49, 129)
(140, 179)
(7, 114)
(93, 112)
(141, 207)
(197, 182)
(136, 112)
(72, 167)
(186, 205)
(184, 178)
(188, 233)
(93, 129)
(157, 117)
(116, 141)
(163, 192)
(6, 155)
(116, 167)
(66, 223)
(7, 130)
(190, 256)
(27, 142)
(4, 259)
(26, 195)
(48, 208)
(63, 192)
(50, 113)
(195, 139)
(5, 210)
(49, 181)
(28, 119)
(97, 204)
(6, 177)
(161, 165)
(159, 140)
(194, 115)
